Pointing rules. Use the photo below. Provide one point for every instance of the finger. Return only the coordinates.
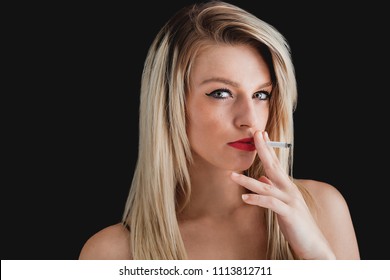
(266, 152)
(272, 150)
(258, 187)
(270, 161)
(287, 196)
(263, 150)
(269, 202)
(265, 180)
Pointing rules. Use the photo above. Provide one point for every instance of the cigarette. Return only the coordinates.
(277, 144)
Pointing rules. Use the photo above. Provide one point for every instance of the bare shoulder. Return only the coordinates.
(333, 217)
(328, 199)
(323, 193)
(110, 243)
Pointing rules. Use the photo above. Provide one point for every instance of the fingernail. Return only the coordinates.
(245, 196)
(234, 174)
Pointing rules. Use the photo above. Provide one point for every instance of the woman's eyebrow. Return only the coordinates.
(230, 82)
(221, 80)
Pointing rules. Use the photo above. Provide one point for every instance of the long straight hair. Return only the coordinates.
(161, 185)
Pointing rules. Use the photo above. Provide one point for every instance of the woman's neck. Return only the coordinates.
(213, 193)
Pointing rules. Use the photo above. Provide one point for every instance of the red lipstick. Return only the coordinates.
(245, 144)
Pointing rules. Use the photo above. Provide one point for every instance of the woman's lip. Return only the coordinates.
(245, 144)
(244, 140)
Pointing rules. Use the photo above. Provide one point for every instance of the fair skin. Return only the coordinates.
(228, 101)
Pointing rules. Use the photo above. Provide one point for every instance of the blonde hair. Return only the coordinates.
(161, 184)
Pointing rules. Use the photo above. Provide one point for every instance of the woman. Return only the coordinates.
(217, 86)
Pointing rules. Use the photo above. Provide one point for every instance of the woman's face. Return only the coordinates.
(227, 102)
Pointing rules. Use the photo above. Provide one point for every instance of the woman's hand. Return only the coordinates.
(277, 192)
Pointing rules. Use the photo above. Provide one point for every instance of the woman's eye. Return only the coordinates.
(220, 94)
(262, 95)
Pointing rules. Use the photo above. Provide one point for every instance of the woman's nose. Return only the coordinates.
(245, 113)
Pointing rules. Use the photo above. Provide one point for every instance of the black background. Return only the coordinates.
(72, 116)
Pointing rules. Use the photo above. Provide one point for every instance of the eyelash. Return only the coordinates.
(214, 92)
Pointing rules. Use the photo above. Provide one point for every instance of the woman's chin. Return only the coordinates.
(242, 166)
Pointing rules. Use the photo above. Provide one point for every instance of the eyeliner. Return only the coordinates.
(277, 144)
